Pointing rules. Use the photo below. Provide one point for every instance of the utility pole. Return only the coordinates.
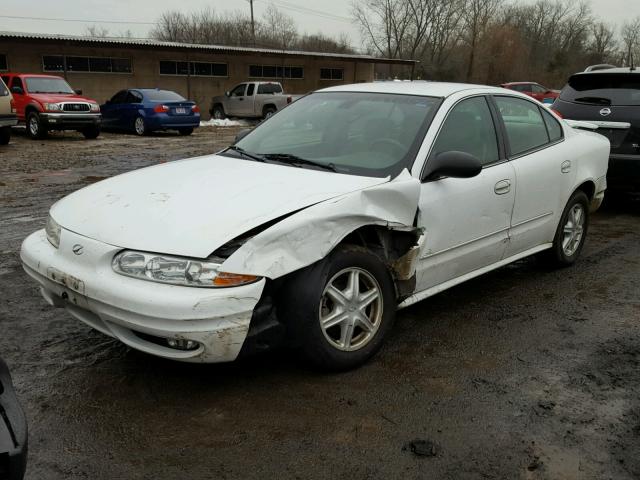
(253, 25)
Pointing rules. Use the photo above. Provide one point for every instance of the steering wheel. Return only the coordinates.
(384, 144)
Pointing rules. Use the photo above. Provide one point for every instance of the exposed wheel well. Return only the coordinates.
(589, 188)
(269, 107)
(30, 108)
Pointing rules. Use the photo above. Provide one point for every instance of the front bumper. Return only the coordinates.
(139, 313)
(624, 172)
(70, 121)
(8, 120)
(13, 430)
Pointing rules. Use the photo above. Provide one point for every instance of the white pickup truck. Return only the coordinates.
(250, 100)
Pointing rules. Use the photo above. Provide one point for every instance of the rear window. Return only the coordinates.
(163, 96)
(269, 88)
(603, 89)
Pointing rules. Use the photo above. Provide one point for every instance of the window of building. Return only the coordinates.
(199, 69)
(276, 71)
(56, 63)
(4, 66)
(332, 74)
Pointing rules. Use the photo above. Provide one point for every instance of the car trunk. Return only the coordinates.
(179, 109)
(612, 101)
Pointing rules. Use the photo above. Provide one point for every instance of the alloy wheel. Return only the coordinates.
(351, 309)
(139, 126)
(573, 230)
(34, 127)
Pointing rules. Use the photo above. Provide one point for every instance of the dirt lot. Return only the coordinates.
(523, 373)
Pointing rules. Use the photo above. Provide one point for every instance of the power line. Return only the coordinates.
(16, 17)
(310, 11)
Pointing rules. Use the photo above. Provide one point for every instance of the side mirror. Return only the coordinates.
(107, 102)
(241, 134)
(17, 90)
(78, 91)
(452, 164)
(227, 94)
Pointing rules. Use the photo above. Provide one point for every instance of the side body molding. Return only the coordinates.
(308, 236)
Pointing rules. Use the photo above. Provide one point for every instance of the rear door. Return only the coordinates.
(130, 108)
(543, 167)
(466, 220)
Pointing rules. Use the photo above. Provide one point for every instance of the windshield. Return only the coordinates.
(47, 85)
(370, 134)
(603, 89)
(163, 96)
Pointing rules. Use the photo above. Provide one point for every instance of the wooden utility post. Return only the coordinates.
(253, 25)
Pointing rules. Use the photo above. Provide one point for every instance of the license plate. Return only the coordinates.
(181, 111)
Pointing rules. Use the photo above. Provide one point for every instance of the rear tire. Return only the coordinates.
(350, 287)
(268, 112)
(5, 135)
(35, 127)
(185, 131)
(91, 133)
(571, 233)
(218, 113)
(140, 127)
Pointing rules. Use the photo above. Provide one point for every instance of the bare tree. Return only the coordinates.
(631, 40)
(477, 16)
(603, 44)
(96, 31)
(279, 28)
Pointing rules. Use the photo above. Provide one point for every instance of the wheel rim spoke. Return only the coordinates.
(336, 295)
(346, 334)
(573, 230)
(365, 299)
(334, 318)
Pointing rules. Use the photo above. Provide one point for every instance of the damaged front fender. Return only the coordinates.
(308, 236)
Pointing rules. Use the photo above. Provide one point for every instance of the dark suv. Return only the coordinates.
(610, 99)
(13, 430)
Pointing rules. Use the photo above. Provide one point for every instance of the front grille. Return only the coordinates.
(75, 107)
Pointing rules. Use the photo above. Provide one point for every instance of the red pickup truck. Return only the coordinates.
(47, 102)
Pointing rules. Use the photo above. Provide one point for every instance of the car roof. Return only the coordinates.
(628, 70)
(42, 75)
(422, 88)
(519, 83)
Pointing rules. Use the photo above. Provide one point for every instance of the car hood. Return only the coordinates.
(57, 98)
(192, 207)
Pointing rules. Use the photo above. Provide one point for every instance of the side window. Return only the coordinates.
(17, 82)
(526, 129)
(538, 89)
(469, 128)
(250, 89)
(133, 97)
(553, 126)
(4, 91)
(119, 97)
(239, 90)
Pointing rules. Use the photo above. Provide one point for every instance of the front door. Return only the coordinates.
(235, 104)
(466, 220)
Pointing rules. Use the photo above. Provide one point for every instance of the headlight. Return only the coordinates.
(95, 107)
(51, 107)
(177, 270)
(53, 232)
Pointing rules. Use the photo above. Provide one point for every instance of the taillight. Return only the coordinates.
(288, 100)
(195, 109)
(160, 108)
(13, 106)
(556, 112)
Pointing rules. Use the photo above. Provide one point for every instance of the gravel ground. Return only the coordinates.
(522, 373)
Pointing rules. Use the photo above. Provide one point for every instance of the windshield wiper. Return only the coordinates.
(246, 154)
(299, 161)
(594, 100)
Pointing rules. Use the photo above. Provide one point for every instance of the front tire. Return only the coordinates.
(185, 131)
(339, 310)
(5, 135)
(268, 112)
(218, 113)
(91, 133)
(35, 128)
(571, 233)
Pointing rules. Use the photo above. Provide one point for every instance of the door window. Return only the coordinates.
(133, 97)
(553, 126)
(119, 97)
(17, 82)
(469, 128)
(239, 91)
(250, 89)
(538, 89)
(525, 127)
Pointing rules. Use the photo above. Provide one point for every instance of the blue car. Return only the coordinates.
(145, 110)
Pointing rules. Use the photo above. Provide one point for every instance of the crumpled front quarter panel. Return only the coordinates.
(308, 236)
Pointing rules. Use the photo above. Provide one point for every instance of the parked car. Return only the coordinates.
(315, 226)
(47, 102)
(250, 100)
(145, 110)
(8, 117)
(535, 90)
(13, 430)
(609, 99)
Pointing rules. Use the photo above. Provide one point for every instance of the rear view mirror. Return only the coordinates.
(452, 164)
(241, 134)
(17, 90)
(78, 91)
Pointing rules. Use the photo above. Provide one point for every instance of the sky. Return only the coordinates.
(330, 17)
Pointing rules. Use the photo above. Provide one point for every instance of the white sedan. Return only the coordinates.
(317, 225)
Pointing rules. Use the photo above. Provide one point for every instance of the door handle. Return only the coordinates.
(502, 187)
(241, 99)
(566, 166)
